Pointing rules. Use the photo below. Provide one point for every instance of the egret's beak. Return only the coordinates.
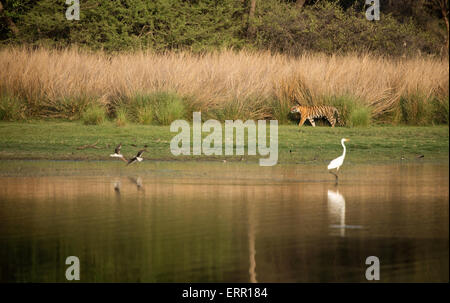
(346, 140)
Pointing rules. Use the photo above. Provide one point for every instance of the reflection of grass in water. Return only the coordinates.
(59, 140)
(140, 250)
(198, 233)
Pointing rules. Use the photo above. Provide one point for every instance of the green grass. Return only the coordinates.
(59, 140)
(352, 112)
(281, 111)
(94, 115)
(164, 107)
(420, 110)
(168, 108)
(160, 108)
(144, 115)
(121, 117)
(11, 109)
(360, 117)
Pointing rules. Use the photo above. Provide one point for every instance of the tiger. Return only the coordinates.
(317, 111)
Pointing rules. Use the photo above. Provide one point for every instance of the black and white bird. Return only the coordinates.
(138, 157)
(117, 153)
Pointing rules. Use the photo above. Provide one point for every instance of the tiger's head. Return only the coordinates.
(295, 109)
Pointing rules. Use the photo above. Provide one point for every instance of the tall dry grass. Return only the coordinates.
(61, 83)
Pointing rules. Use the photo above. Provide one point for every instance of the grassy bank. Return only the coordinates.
(61, 140)
(149, 88)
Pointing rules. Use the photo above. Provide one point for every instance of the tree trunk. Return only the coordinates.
(251, 14)
(8, 20)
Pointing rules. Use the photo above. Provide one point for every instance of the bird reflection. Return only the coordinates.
(137, 181)
(336, 210)
(117, 187)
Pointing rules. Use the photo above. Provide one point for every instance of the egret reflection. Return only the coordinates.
(336, 211)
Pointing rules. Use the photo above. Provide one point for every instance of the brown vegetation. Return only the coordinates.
(63, 83)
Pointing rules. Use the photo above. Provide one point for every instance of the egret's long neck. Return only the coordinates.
(343, 145)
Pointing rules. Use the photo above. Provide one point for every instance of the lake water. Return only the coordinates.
(222, 222)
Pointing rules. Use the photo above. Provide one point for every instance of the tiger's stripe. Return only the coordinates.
(316, 112)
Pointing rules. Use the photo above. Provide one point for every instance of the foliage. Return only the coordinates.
(159, 88)
(352, 112)
(360, 116)
(281, 110)
(205, 25)
(121, 117)
(133, 24)
(167, 107)
(156, 108)
(327, 27)
(416, 109)
(11, 109)
(94, 115)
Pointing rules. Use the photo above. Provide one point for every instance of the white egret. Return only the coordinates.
(336, 163)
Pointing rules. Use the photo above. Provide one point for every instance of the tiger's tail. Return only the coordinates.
(338, 117)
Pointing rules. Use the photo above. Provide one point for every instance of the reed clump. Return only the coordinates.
(155, 108)
(11, 109)
(94, 115)
(121, 117)
(223, 85)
